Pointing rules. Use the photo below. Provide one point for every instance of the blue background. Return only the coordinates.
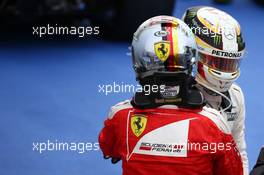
(50, 92)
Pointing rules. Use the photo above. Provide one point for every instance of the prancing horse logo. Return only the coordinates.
(138, 124)
(162, 50)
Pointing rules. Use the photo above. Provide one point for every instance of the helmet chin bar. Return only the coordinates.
(220, 81)
(179, 90)
(224, 76)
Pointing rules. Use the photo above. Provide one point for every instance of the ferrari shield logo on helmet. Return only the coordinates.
(138, 124)
(162, 50)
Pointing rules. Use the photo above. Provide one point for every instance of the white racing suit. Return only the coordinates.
(235, 117)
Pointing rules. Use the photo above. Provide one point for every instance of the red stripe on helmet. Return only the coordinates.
(201, 70)
(170, 60)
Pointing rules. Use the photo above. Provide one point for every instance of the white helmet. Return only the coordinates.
(220, 46)
(164, 52)
(163, 44)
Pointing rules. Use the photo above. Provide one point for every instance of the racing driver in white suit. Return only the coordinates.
(220, 48)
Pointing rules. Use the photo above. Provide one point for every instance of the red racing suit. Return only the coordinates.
(170, 141)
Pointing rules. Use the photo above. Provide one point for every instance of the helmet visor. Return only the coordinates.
(221, 64)
(179, 62)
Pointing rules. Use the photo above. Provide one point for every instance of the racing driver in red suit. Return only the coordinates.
(169, 131)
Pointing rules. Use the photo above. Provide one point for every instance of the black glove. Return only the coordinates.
(114, 160)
